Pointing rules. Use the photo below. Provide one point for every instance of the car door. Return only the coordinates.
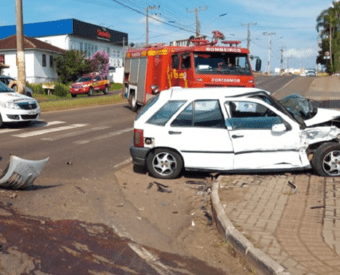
(96, 84)
(261, 136)
(200, 135)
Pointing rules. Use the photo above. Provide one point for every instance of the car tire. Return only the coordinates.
(133, 102)
(1, 122)
(106, 90)
(164, 164)
(90, 92)
(325, 161)
(74, 95)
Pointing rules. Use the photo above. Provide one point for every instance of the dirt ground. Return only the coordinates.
(172, 216)
(184, 215)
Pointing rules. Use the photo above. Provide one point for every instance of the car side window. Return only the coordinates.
(201, 113)
(250, 115)
(185, 118)
(186, 61)
(97, 78)
(162, 116)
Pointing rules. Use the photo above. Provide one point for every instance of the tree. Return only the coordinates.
(72, 65)
(99, 62)
(328, 24)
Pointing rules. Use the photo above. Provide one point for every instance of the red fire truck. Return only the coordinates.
(202, 64)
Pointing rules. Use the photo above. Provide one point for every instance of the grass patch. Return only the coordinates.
(79, 103)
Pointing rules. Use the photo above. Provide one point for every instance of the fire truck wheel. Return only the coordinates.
(133, 102)
(106, 90)
(90, 93)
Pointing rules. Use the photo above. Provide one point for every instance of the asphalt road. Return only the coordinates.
(84, 147)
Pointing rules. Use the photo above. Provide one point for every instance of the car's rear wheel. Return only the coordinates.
(90, 93)
(326, 160)
(164, 164)
(74, 95)
(133, 101)
(106, 90)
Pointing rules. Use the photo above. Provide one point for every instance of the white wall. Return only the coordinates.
(69, 42)
(35, 73)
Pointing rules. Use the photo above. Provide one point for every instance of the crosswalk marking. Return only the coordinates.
(119, 132)
(2, 131)
(76, 133)
(41, 123)
(42, 132)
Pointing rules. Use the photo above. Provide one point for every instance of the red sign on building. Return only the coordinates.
(103, 34)
(2, 58)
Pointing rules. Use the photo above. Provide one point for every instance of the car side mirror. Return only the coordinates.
(279, 128)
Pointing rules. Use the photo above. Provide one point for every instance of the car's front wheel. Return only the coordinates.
(106, 90)
(164, 164)
(326, 160)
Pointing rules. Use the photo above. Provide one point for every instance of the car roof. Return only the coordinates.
(211, 93)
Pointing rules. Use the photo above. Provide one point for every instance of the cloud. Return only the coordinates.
(300, 53)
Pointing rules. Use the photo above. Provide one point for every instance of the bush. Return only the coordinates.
(36, 88)
(60, 90)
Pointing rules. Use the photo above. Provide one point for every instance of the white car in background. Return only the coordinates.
(17, 108)
(234, 130)
(7, 80)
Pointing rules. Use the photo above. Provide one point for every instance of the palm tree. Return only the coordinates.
(329, 22)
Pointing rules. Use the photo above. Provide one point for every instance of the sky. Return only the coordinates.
(291, 23)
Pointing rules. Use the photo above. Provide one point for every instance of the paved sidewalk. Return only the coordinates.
(300, 231)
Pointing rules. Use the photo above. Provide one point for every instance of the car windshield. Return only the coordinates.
(299, 106)
(222, 63)
(84, 79)
(5, 89)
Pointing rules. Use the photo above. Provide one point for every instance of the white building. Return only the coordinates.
(38, 59)
(69, 34)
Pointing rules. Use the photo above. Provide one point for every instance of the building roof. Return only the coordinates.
(10, 43)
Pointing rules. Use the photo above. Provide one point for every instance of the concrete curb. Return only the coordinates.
(243, 246)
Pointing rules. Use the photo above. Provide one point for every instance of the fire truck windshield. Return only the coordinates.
(222, 63)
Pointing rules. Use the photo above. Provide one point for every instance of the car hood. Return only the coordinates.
(80, 83)
(322, 115)
(14, 97)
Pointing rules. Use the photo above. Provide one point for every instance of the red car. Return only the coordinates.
(90, 83)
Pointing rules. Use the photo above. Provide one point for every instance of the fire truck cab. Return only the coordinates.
(204, 64)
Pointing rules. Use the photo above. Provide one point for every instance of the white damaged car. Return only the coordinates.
(17, 108)
(234, 130)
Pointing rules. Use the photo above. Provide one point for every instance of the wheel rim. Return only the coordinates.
(331, 163)
(164, 164)
(106, 90)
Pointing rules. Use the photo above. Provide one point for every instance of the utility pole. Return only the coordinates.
(20, 48)
(281, 63)
(248, 37)
(147, 22)
(269, 48)
(197, 20)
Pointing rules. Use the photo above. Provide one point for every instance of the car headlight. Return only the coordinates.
(9, 105)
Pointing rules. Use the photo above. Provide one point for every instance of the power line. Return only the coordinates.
(197, 20)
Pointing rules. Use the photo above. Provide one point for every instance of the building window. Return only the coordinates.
(51, 61)
(81, 47)
(95, 48)
(44, 60)
(85, 50)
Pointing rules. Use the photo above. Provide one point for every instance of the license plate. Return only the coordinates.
(31, 113)
(76, 90)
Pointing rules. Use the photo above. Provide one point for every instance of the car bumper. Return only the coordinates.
(15, 115)
(79, 90)
(139, 155)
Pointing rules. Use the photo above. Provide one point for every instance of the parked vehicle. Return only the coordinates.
(203, 64)
(311, 73)
(234, 130)
(17, 108)
(10, 81)
(90, 83)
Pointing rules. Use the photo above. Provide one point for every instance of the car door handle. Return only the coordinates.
(236, 136)
(174, 133)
